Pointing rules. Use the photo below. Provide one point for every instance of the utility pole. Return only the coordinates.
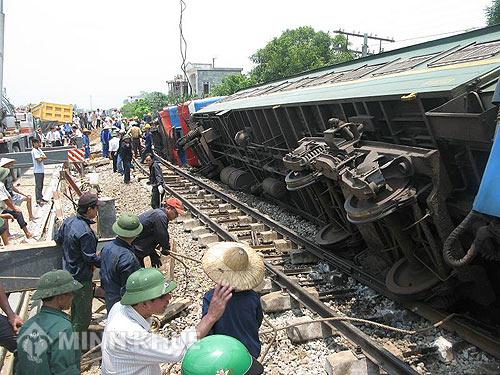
(364, 49)
(2, 30)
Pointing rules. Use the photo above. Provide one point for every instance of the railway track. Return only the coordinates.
(187, 187)
(214, 212)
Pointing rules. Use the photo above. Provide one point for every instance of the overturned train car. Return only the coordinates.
(385, 152)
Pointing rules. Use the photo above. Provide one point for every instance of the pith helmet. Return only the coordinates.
(146, 284)
(127, 225)
(4, 172)
(219, 354)
(54, 283)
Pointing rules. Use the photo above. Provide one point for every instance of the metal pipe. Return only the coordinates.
(107, 217)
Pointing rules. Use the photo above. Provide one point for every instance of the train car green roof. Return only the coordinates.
(438, 66)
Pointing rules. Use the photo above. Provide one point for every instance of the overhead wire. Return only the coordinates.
(440, 34)
(183, 45)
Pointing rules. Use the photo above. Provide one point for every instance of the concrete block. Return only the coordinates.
(445, 349)
(207, 238)
(346, 363)
(224, 207)
(282, 245)
(277, 302)
(244, 219)
(269, 236)
(190, 224)
(265, 287)
(257, 227)
(233, 214)
(312, 291)
(185, 216)
(308, 331)
(300, 256)
(197, 231)
(209, 197)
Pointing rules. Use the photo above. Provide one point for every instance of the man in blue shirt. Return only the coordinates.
(105, 138)
(79, 244)
(156, 181)
(239, 266)
(118, 260)
(155, 231)
(148, 142)
(86, 142)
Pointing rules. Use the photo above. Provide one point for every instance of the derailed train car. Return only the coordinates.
(173, 129)
(385, 152)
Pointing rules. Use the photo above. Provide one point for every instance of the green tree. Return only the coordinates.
(493, 13)
(296, 51)
(156, 101)
(150, 102)
(231, 84)
(136, 108)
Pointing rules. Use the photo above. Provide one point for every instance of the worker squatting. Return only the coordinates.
(225, 340)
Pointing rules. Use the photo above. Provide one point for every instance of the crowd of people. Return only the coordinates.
(51, 342)
(226, 335)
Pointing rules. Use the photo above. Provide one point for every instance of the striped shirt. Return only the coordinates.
(128, 346)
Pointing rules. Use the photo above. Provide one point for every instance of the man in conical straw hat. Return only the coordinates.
(239, 266)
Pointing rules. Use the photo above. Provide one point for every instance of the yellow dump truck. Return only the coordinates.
(53, 112)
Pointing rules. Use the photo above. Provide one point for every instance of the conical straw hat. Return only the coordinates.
(234, 263)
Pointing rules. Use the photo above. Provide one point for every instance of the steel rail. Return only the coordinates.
(376, 353)
(483, 340)
(341, 264)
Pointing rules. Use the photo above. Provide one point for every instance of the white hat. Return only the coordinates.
(234, 263)
(108, 126)
(5, 161)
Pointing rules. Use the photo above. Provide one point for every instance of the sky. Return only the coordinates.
(99, 52)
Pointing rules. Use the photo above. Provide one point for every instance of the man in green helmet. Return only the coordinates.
(47, 343)
(118, 260)
(220, 355)
(128, 346)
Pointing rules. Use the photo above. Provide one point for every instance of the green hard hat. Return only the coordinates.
(54, 283)
(127, 225)
(4, 172)
(219, 354)
(146, 284)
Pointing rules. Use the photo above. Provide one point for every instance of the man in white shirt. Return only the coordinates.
(114, 145)
(128, 346)
(77, 132)
(54, 137)
(38, 156)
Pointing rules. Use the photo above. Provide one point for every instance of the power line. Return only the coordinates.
(440, 34)
(183, 45)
